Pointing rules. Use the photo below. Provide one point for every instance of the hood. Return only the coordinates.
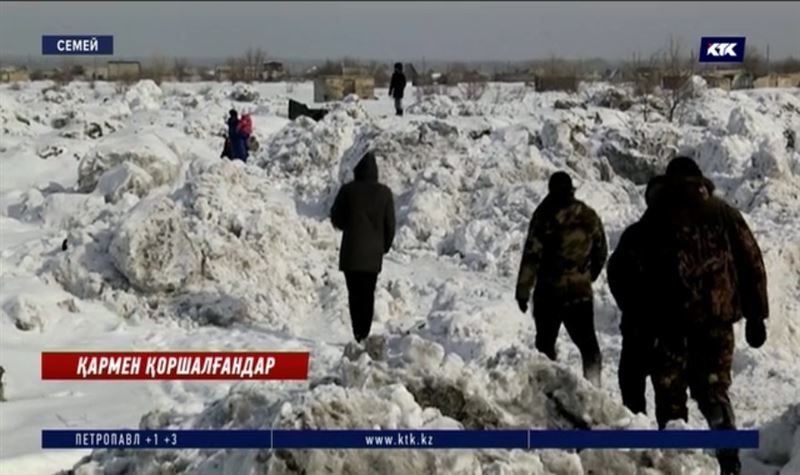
(367, 169)
(686, 190)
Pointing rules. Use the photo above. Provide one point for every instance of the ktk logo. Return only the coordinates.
(722, 49)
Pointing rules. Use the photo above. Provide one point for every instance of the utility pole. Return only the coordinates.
(769, 69)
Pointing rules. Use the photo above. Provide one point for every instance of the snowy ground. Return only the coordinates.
(172, 248)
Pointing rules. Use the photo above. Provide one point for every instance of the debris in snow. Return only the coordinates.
(152, 247)
(25, 314)
(147, 151)
(244, 93)
(49, 151)
(124, 178)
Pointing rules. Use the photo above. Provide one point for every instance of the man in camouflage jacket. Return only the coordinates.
(704, 271)
(564, 252)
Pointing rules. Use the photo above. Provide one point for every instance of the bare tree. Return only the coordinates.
(180, 67)
(788, 65)
(157, 70)
(472, 90)
(237, 69)
(253, 62)
(753, 62)
(676, 85)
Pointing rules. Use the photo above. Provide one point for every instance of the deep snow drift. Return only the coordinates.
(171, 247)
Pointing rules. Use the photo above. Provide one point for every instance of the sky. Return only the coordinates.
(452, 31)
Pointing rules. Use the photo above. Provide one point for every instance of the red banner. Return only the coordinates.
(209, 365)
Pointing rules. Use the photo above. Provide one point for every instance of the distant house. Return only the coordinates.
(99, 73)
(778, 80)
(272, 71)
(672, 82)
(455, 77)
(223, 73)
(556, 83)
(14, 74)
(728, 79)
(124, 70)
(336, 88)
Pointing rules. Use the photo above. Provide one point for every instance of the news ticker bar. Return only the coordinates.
(174, 365)
(398, 439)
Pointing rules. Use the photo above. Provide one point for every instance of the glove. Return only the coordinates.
(755, 332)
(523, 304)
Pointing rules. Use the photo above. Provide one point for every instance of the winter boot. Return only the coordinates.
(729, 463)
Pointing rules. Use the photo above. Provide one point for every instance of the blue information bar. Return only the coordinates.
(398, 439)
(71, 45)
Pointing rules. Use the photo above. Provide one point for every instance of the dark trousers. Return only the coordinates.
(361, 297)
(634, 368)
(578, 318)
(398, 105)
(698, 359)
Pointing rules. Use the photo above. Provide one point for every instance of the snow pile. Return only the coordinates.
(152, 248)
(305, 155)
(144, 95)
(244, 93)
(224, 239)
(164, 233)
(419, 386)
(147, 152)
(779, 447)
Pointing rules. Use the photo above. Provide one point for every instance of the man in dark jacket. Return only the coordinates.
(364, 211)
(564, 252)
(627, 281)
(705, 272)
(397, 86)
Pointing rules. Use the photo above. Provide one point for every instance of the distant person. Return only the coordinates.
(564, 252)
(397, 87)
(628, 284)
(364, 211)
(236, 141)
(705, 271)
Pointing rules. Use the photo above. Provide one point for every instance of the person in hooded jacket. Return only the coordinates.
(704, 272)
(364, 211)
(397, 86)
(236, 144)
(564, 252)
(627, 282)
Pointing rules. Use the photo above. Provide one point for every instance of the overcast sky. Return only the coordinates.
(401, 30)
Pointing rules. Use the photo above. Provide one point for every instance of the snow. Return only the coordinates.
(170, 247)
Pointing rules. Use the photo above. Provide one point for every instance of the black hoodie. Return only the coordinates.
(364, 211)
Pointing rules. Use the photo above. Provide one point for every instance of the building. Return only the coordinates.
(783, 80)
(729, 79)
(272, 71)
(14, 74)
(99, 73)
(124, 70)
(556, 83)
(672, 82)
(223, 73)
(336, 88)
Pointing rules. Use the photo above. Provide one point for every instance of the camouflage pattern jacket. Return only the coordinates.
(565, 251)
(702, 263)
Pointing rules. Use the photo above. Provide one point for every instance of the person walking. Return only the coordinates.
(628, 285)
(705, 271)
(397, 87)
(564, 252)
(364, 211)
